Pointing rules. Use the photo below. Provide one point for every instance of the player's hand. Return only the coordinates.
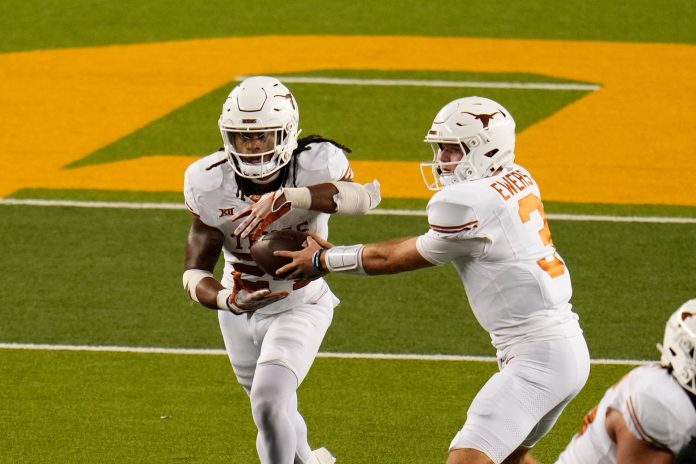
(242, 301)
(303, 265)
(267, 209)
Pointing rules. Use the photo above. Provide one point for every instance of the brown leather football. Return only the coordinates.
(262, 250)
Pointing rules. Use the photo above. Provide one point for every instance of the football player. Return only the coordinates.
(265, 178)
(487, 218)
(649, 416)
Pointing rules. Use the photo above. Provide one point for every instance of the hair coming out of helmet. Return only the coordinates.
(484, 131)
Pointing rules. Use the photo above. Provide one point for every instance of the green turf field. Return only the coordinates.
(112, 276)
(134, 408)
(89, 22)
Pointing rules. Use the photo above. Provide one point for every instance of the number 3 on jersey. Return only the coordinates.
(528, 204)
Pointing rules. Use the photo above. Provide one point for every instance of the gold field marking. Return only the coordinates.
(632, 141)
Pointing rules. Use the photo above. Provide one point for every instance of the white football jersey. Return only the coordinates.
(211, 192)
(653, 405)
(495, 232)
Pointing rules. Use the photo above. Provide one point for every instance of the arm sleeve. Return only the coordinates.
(451, 220)
(452, 234)
(439, 249)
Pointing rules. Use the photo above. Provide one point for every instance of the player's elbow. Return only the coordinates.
(355, 199)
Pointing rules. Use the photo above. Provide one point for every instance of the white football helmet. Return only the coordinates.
(260, 108)
(679, 346)
(485, 132)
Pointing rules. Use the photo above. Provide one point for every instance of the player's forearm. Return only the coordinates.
(318, 197)
(322, 196)
(208, 291)
(347, 198)
(400, 255)
(391, 257)
(202, 287)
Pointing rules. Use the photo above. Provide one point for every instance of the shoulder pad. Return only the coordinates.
(325, 157)
(304, 142)
(658, 412)
(207, 173)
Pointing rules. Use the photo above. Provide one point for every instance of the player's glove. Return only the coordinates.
(268, 208)
(241, 301)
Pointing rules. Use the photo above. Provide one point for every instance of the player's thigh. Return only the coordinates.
(498, 419)
(242, 345)
(294, 337)
(536, 382)
(567, 367)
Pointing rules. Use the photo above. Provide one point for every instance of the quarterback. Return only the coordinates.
(649, 416)
(488, 220)
(265, 178)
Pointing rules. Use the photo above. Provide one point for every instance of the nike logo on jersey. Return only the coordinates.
(512, 183)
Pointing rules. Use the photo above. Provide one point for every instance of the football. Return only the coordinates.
(262, 250)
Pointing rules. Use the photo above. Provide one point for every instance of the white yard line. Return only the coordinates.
(330, 355)
(435, 83)
(378, 212)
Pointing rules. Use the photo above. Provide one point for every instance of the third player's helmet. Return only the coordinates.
(679, 346)
(484, 130)
(260, 106)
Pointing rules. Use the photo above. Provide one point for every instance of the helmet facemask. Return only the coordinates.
(258, 153)
(679, 346)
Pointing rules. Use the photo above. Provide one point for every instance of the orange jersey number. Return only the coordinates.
(527, 205)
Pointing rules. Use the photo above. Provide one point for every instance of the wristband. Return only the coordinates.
(316, 261)
(345, 259)
(223, 299)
